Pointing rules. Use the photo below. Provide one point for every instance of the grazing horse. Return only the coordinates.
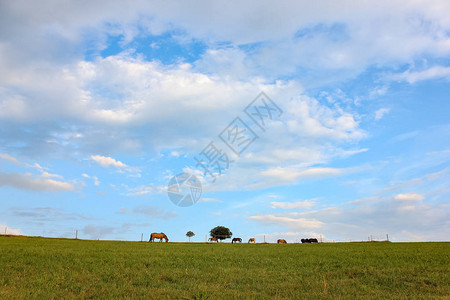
(235, 240)
(280, 241)
(213, 240)
(159, 236)
(252, 240)
(309, 241)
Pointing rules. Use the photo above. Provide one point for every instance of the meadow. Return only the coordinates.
(63, 268)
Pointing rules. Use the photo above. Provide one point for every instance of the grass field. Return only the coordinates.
(60, 268)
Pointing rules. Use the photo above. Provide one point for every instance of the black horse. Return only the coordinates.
(309, 241)
(235, 240)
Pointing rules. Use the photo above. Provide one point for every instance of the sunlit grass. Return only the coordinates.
(59, 268)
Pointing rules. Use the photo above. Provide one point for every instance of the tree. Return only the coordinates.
(190, 234)
(220, 233)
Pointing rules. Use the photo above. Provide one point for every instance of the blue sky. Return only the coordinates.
(101, 105)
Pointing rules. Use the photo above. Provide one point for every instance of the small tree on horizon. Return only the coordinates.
(190, 234)
(220, 233)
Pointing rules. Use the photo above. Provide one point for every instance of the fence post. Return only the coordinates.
(6, 227)
(76, 234)
(142, 237)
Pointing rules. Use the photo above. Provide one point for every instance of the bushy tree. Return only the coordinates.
(190, 234)
(221, 233)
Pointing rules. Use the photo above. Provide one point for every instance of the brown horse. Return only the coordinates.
(235, 240)
(252, 240)
(213, 240)
(159, 236)
(281, 241)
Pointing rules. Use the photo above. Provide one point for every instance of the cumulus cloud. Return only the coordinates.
(126, 90)
(105, 161)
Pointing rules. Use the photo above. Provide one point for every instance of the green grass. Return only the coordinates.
(60, 268)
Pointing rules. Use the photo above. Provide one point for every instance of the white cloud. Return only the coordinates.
(31, 183)
(378, 91)
(292, 175)
(292, 223)
(49, 175)
(209, 200)
(94, 178)
(381, 113)
(144, 189)
(436, 72)
(413, 197)
(141, 190)
(308, 118)
(329, 36)
(9, 158)
(305, 204)
(105, 161)
(14, 160)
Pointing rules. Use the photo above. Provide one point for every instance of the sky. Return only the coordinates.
(102, 104)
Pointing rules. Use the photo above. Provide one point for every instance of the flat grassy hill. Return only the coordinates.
(63, 268)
